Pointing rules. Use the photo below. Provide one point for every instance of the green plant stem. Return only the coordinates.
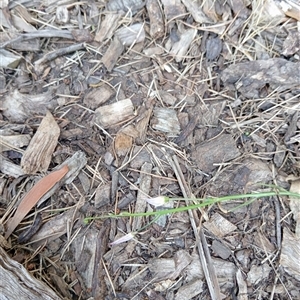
(205, 202)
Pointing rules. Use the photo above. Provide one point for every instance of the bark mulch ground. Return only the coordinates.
(105, 104)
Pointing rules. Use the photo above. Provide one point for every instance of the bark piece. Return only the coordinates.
(98, 96)
(250, 77)
(123, 143)
(56, 227)
(102, 195)
(173, 9)
(115, 113)
(290, 253)
(38, 154)
(219, 226)
(189, 290)
(165, 119)
(180, 48)
(213, 48)
(8, 59)
(14, 142)
(108, 27)
(112, 54)
(279, 156)
(131, 35)
(295, 205)
(9, 168)
(125, 5)
(17, 283)
(241, 178)
(291, 45)
(156, 19)
(141, 204)
(220, 249)
(18, 107)
(219, 150)
(194, 8)
(257, 274)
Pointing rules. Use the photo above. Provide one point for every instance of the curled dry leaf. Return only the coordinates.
(33, 196)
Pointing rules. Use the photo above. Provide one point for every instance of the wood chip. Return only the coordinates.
(180, 48)
(194, 8)
(295, 205)
(12, 273)
(209, 153)
(19, 107)
(112, 54)
(156, 19)
(250, 77)
(189, 290)
(108, 27)
(98, 96)
(165, 119)
(125, 5)
(123, 143)
(9, 168)
(131, 35)
(219, 226)
(141, 204)
(290, 253)
(115, 113)
(38, 154)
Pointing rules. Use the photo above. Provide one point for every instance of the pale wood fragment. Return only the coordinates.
(141, 204)
(17, 283)
(194, 8)
(290, 253)
(57, 226)
(189, 290)
(156, 19)
(131, 35)
(108, 27)
(112, 54)
(14, 142)
(219, 226)
(291, 8)
(19, 107)
(166, 120)
(180, 48)
(62, 15)
(242, 285)
(295, 205)
(115, 113)
(8, 59)
(98, 96)
(9, 168)
(37, 156)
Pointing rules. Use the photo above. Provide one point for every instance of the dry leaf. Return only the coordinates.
(33, 196)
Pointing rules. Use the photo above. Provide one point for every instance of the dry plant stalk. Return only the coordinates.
(33, 196)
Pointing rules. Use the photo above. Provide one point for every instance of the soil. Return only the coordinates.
(105, 105)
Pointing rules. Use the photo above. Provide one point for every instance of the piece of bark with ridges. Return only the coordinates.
(37, 156)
